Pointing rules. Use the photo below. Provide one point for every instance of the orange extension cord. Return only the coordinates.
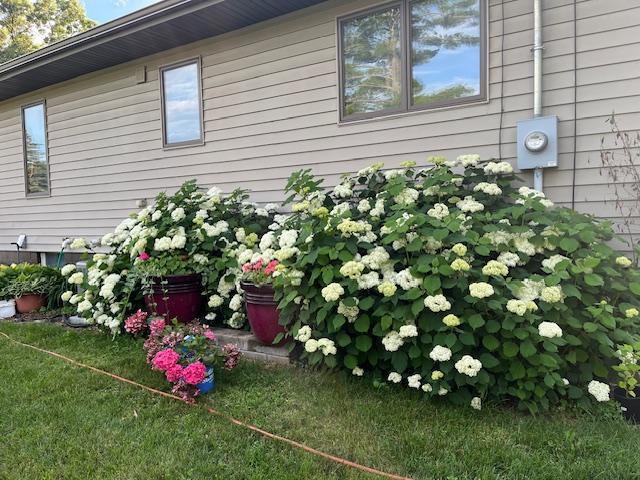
(230, 419)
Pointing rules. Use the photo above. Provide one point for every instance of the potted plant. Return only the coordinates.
(188, 355)
(627, 391)
(262, 308)
(172, 289)
(32, 285)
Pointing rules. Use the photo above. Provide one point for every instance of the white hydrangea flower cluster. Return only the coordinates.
(440, 354)
(521, 307)
(549, 330)
(468, 365)
(510, 259)
(439, 211)
(414, 381)
(325, 345)
(494, 268)
(481, 290)
(497, 168)
(552, 294)
(599, 390)
(470, 160)
(352, 269)
(405, 280)
(488, 189)
(392, 341)
(470, 205)
(407, 197)
(552, 262)
(408, 331)
(437, 303)
(332, 292)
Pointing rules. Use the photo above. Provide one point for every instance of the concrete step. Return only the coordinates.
(250, 347)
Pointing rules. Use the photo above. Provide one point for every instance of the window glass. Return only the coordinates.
(445, 50)
(410, 55)
(372, 62)
(182, 104)
(35, 149)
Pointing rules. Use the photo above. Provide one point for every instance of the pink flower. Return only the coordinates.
(271, 267)
(157, 326)
(136, 323)
(174, 373)
(246, 267)
(194, 373)
(258, 265)
(144, 256)
(209, 335)
(165, 359)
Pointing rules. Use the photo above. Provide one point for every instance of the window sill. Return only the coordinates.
(388, 116)
(182, 145)
(37, 195)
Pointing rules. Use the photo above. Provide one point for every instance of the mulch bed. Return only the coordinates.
(38, 317)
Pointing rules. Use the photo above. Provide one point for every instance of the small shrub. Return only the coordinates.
(454, 282)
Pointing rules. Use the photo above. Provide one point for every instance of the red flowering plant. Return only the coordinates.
(259, 272)
(184, 352)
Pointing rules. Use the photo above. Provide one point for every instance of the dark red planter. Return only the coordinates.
(183, 297)
(262, 311)
(630, 405)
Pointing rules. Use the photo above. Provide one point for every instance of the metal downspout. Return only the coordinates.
(538, 47)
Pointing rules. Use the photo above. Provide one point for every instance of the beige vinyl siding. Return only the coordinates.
(270, 96)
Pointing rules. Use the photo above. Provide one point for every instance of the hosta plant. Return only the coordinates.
(192, 231)
(453, 281)
(21, 279)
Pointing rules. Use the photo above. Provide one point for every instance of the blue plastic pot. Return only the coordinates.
(209, 382)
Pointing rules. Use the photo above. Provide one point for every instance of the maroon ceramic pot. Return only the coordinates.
(29, 303)
(262, 311)
(180, 297)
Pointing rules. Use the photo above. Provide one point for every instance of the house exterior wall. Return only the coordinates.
(270, 107)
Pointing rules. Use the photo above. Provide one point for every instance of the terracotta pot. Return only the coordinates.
(630, 405)
(30, 302)
(183, 297)
(262, 311)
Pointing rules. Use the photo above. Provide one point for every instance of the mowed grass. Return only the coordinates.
(58, 421)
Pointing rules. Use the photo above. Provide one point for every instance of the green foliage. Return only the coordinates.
(30, 278)
(400, 262)
(51, 20)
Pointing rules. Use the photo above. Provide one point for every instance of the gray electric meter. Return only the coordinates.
(538, 143)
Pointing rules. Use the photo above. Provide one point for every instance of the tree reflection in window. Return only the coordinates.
(445, 50)
(411, 54)
(372, 62)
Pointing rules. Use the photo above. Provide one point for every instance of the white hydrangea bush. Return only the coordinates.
(193, 231)
(452, 281)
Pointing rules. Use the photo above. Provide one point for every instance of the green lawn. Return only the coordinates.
(62, 422)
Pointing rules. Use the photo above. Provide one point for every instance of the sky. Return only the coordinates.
(103, 11)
